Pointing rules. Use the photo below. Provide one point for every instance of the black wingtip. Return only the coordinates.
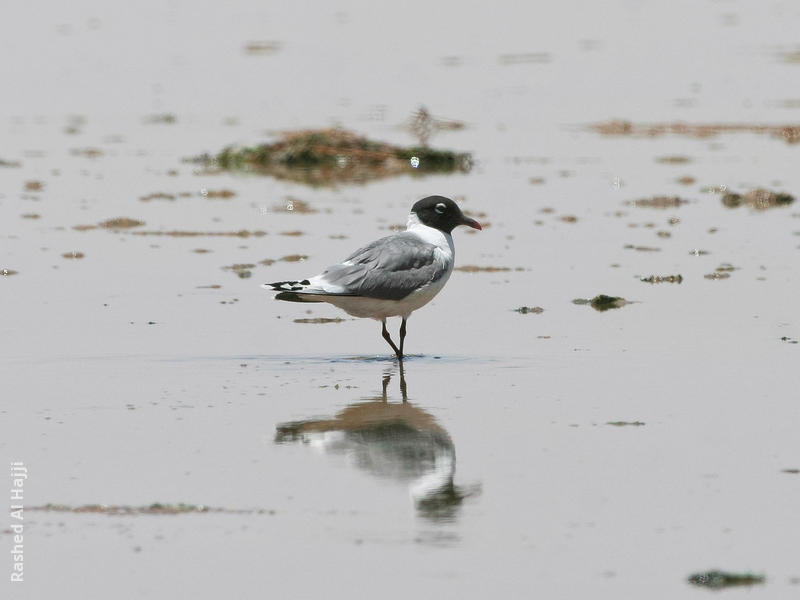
(287, 286)
(295, 297)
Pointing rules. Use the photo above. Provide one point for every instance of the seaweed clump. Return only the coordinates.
(789, 132)
(524, 310)
(121, 223)
(658, 202)
(758, 199)
(662, 279)
(721, 579)
(602, 302)
(333, 156)
(156, 508)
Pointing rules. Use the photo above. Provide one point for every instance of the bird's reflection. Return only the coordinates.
(393, 440)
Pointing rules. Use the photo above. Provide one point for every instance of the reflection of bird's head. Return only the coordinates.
(441, 504)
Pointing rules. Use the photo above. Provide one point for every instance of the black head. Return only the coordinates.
(442, 213)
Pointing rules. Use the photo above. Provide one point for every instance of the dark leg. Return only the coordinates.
(386, 378)
(403, 388)
(388, 338)
(402, 336)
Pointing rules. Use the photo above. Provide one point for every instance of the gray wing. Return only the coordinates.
(388, 269)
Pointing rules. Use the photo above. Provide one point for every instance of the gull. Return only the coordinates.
(392, 276)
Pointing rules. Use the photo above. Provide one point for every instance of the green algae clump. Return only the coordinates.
(721, 579)
(758, 199)
(322, 157)
(602, 302)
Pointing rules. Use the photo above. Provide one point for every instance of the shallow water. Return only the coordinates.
(145, 372)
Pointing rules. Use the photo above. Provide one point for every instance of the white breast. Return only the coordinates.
(445, 250)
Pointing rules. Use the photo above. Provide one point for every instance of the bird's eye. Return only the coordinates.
(440, 208)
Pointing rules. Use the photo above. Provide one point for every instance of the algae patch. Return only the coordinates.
(261, 47)
(789, 132)
(758, 199)
(675, 159)
(662, 279)
(157, 508)
(641, 248)
(319, 320)
(223, 194)
(157, 196)
(721, 272)
(161, 119)
(602, 302)
(524, 310)
(87, 152)
(488, 269)
(121, 223)
(242, 233)
(658, 202)
(524, 58)
(295, 206)
(321, 157)
(721, 579)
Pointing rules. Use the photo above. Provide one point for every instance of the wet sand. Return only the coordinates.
(195, 438)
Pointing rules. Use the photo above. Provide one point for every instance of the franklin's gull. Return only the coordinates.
(392, 276)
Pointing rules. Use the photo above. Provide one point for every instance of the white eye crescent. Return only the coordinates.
(440, 208)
